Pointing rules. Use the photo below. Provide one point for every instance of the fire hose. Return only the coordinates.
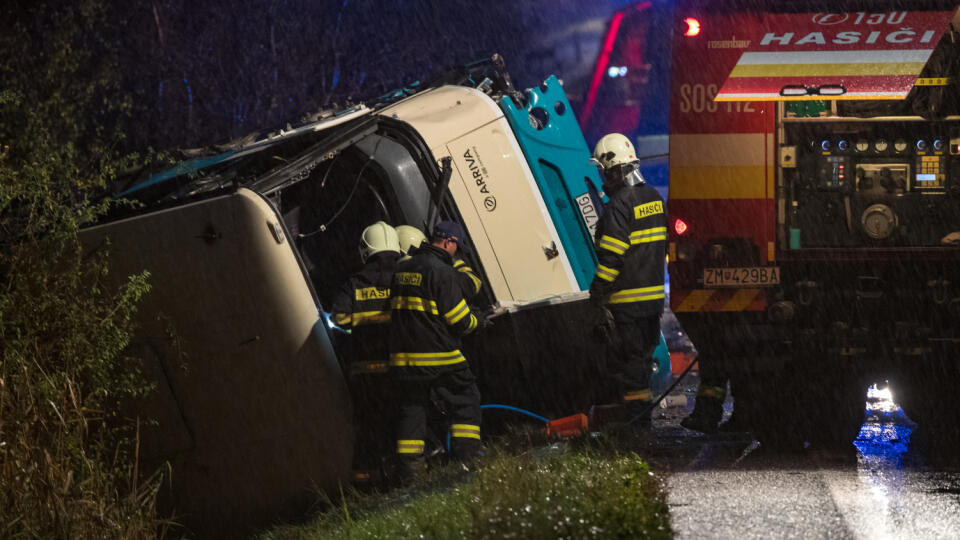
(653, 404)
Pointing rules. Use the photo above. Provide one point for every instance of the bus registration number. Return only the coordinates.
(589, 212)
(741, 276)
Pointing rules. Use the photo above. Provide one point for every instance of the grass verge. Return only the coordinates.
(564, 490)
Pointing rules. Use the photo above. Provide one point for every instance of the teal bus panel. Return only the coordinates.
(180, 169)
(557, 153)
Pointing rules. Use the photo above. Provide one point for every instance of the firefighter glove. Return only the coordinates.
(603, 324)
(484, 319)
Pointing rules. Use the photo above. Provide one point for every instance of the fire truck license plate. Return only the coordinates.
(741, 277)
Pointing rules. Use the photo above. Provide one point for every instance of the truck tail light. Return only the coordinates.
(680, 227)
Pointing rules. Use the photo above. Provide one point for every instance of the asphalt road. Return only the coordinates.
(727, 486)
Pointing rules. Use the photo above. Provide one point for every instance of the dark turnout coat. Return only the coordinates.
(429, 315)
(631, 242)
(362, 305)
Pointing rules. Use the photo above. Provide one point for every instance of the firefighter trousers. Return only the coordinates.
(457, 391)
(713, 388)
(636, 339)
(372, 415)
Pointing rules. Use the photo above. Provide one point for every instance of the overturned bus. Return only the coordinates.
(246, 244)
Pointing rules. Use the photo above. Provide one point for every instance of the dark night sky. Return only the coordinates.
(219, 73)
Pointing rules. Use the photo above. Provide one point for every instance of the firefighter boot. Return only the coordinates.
(411, 469)
(706, 414)
(464, 450)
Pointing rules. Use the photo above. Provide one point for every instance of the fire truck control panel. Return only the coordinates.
(877, 183)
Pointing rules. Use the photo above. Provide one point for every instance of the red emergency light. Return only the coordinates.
(693, 27)
(680, 227)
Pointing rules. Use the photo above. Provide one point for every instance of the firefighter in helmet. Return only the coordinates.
(627, 293)
(411, 238)
(362, 306)
(430, 314)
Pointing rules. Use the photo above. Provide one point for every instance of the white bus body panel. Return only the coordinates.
(494, 190)
(253, 410)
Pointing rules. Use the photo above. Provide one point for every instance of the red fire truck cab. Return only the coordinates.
(814, 199)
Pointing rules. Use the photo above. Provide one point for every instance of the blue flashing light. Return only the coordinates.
(885, 435)
(613, 71)
(888, 441)
(623, 71)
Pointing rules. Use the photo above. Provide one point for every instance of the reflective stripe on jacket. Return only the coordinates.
(470, 283)
(429, 313)
(631, 242)
(362, 305)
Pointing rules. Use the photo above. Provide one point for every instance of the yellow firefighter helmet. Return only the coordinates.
(410, 237)
(378, 238)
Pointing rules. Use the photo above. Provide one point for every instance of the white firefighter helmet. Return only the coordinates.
(410, 237)
(378, 238)
(618, 158)
(612, 150)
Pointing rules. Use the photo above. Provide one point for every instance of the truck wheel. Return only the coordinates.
(835, 408)
(926, 393)
(818, 402)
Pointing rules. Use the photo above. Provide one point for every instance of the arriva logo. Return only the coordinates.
(829, 19)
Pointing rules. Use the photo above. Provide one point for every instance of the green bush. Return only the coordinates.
(67, 459)
(555, 493)
(68, 464)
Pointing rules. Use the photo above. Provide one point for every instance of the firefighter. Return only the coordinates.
(627, 293)
(430, 314)
(411, 238)
(470, 283)
(708, 407)
(711, 393)
(362, 306)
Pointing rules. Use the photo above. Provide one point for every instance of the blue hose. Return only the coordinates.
(506, 408)
(515, 409)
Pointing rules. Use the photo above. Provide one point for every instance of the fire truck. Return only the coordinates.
(814, 200)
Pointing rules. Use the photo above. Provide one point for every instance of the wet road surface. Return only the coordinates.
(727, 486)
